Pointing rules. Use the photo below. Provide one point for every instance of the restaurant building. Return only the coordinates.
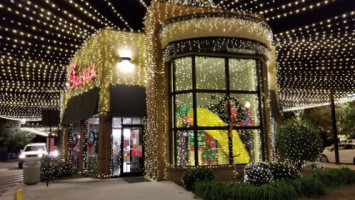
(194, 90)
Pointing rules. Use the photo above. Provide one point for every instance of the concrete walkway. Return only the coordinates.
(334, 166)
(96, 189)
(115, 189)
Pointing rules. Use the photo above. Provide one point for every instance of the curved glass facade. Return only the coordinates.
(216, 110)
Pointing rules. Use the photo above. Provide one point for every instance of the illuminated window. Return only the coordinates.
(224, 94)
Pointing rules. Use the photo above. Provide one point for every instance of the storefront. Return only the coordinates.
(198, 92)
(104, 109)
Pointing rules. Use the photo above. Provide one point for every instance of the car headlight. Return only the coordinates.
(22, 156)
(40, 155)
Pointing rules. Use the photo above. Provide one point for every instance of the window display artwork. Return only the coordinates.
(92, 136)
(223, 107)
(116, 152)
(137, 150)
(74, 141)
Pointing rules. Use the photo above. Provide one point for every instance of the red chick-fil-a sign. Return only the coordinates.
(80, 79)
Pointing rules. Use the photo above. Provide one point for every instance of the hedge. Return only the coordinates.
(312, 186)
(56, 168)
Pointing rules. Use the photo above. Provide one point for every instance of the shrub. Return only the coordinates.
(194, 175)
(258, 173)
(284, 171)
(56, 168)
(298, 143)
(317, 166)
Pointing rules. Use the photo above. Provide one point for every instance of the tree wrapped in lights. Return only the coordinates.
(263, 172)
(258, 173)
(298, 143)
(282, 171)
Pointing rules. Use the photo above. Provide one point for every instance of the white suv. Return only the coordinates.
(346, 153)
(38, 150)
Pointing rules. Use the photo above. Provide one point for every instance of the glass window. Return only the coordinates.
(250, 112)
(136, 120)
(207, 109)
(35, 148)
(210, 73)
(127, 120)
(242, 74)
(348, 147)
(74, 141)
(92, 144)
(116, 151)
(185, 148)
(225, 113)
(184, 115)
(213, 147)
(183, 74)
(116, 122)
(247, 146)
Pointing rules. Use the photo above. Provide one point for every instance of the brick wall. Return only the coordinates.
(104, 157)
(225, 173)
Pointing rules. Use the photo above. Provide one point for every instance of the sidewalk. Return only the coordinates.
(118, 188)
(96, 189)
(334, 166)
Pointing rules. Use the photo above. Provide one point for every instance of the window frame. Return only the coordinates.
(259, 92)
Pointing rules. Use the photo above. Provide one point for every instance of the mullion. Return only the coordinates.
(221, 128)
(174, 113)
(194, 108)
(230, 142)
(261, 111)
(215, 91)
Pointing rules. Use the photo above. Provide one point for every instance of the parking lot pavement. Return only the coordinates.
(10, 176)
(7, 182)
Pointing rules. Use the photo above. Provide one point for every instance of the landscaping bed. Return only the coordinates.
(310, 186)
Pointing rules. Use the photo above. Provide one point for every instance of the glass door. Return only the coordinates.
(127, 146)
(132, 161)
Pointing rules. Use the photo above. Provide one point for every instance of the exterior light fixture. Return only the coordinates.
(125, 65)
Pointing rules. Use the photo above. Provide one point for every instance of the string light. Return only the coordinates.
(38, 41)
(143, 3)
(117, 13)
(300, 10)
(87, 4)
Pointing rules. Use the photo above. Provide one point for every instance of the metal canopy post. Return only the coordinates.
(335, 132)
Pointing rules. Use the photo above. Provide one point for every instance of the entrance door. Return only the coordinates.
(127, 146)
(132, 160)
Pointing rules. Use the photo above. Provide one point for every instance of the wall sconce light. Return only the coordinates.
(125, 65)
